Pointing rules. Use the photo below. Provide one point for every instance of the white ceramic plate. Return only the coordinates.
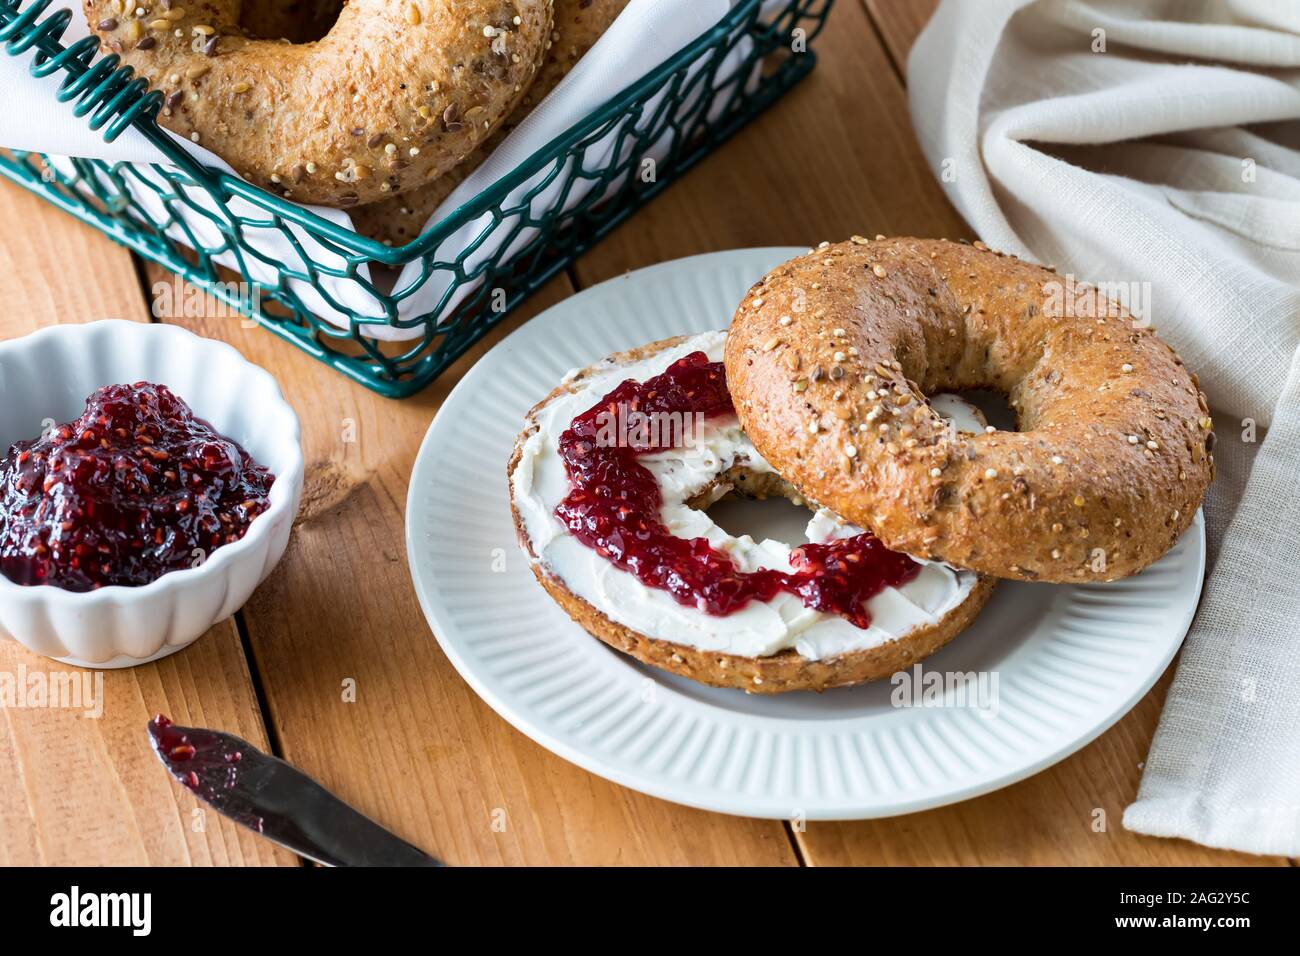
(1068, 660)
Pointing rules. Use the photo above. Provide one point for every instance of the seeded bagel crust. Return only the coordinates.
(578, 25)
(784, 671)
(393, 96)
(831, 355)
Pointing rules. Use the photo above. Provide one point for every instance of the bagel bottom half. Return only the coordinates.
(783, 671)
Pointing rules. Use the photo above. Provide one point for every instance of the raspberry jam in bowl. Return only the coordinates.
(134, 488)
(148, 483)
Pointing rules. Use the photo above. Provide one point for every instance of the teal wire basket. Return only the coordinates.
(394, 318)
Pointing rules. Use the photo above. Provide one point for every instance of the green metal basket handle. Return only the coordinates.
(112, 95)
(116, 99)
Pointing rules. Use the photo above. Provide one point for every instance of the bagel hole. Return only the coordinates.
(298, 21)
(775, 518)
(997, 411)
(760, 505)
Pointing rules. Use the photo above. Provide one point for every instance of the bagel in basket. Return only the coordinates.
(830, 360)
(395, 94)
(578, 25)
(730, 631)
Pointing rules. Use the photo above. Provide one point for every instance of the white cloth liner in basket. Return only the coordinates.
(646, 34)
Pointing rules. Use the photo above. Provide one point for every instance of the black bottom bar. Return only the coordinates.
(310, 904)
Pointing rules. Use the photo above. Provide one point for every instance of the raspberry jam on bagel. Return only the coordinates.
(609, 482)
(614, 509)
(830, 360)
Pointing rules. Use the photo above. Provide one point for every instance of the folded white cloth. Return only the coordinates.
(1133, 142)
(646, 34)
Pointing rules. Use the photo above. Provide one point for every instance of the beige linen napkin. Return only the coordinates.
(1155, 145)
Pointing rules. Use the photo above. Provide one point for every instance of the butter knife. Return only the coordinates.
(276, 799)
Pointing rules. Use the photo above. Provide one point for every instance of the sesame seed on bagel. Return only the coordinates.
(831, 356)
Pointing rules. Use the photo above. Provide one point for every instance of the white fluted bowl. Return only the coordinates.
(48, 376)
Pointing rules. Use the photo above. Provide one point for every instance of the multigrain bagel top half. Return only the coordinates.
(830, 359)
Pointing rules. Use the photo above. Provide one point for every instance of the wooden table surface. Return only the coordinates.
(416, 749)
